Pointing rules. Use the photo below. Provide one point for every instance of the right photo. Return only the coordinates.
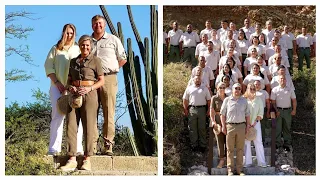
(239, 90)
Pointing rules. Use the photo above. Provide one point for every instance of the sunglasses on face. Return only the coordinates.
(222, 87)
(237, 88)
(252, 89)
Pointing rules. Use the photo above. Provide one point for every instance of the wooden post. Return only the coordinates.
(273, 139)
(210, 155)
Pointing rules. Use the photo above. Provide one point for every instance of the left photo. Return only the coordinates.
(81, 90)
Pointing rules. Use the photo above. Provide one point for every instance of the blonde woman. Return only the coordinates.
(85, 77)
(256, 115)
(216, 102)
(57, 68)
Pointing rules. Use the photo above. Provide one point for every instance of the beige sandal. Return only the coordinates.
(221, 164)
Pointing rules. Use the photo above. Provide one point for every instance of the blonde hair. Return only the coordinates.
(246, 94)
(63, 39)
(85, 38)
(97, 17)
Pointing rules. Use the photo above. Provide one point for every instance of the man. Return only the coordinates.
(226, 43)
(281, 41)
(173, 42)
(291, 45)
(304, 41)
(235, 33)
(212, 58)
(257, 33)
(264, 95)
(247, 28)
(207, 75)
(282, 70)
(285, 104)
(111, 52)
(222, 32)
(196, 98)
(273, 68)
(207, 30)
(269, 32)
(284, 57)
(230, 53)
(188, 42)
(235, 118)
(203, 46)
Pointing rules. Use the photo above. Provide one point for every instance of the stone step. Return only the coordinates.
(254, 161)
(109, 173)
(267, 151)
(114, 163)
(247, 171)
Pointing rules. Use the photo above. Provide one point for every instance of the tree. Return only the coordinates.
(17, 32)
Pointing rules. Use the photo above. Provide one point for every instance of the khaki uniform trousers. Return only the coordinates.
(235, 137)
(221, 140)
(108, 94)
(88, 114)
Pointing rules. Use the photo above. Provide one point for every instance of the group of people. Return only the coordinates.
(242, 78)
(87, 69)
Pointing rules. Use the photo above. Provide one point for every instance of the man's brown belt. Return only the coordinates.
(82, 83)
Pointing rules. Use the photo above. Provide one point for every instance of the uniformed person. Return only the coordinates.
(173, 42)
(188, 42)
(235, 118)
(215, 106)
(85, 77)
(285, 104)
(196, 98)
(304, 41)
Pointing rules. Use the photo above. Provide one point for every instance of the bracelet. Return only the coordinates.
(56, 81)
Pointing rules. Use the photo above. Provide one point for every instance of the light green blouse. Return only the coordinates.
(58, 62)
(256, 109)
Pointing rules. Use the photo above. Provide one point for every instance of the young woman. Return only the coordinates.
(256, 115)
(57, 68)
(256, 75)
(226, 70)
(259, 48)
(247, 65)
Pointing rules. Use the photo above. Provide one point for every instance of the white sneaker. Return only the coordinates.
(70, 166)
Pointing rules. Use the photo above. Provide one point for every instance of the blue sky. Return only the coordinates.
(47, 31)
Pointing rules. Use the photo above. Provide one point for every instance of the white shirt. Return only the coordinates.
(235, 34)
(207, 75)
(275, 82)
(250, 78)
(233, 79)
(264, 95)
(269, 35)
(226, 44)
(206, 31)
(216, 44)
(212, 59)
(274, 70)
(189, 40)
(289, 38)
(304, 41)
(249, 62)
(222, 34)
(284, 60)
(282, 96)
(259, 48)
(174, 36)
(314, 38)
(201, 47)
(243, 45)
(223, 60)
(282, 42)
(197, 96)
(248, 31)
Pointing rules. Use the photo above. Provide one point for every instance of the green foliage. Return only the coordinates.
(173, 124)
(305, 85)
(26, 138)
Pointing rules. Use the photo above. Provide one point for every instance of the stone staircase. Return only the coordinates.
(107, 165)
(254, 169)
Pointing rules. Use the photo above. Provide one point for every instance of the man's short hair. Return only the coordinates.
(96, 17)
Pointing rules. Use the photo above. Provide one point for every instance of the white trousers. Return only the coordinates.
(56, 125)
(258, 147)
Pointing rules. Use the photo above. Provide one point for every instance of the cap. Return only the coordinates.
(236, 85)
(251, 134)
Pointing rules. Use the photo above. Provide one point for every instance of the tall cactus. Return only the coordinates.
(142, 111)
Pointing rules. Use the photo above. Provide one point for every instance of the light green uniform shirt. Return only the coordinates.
(58, 62)
(256, 109)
